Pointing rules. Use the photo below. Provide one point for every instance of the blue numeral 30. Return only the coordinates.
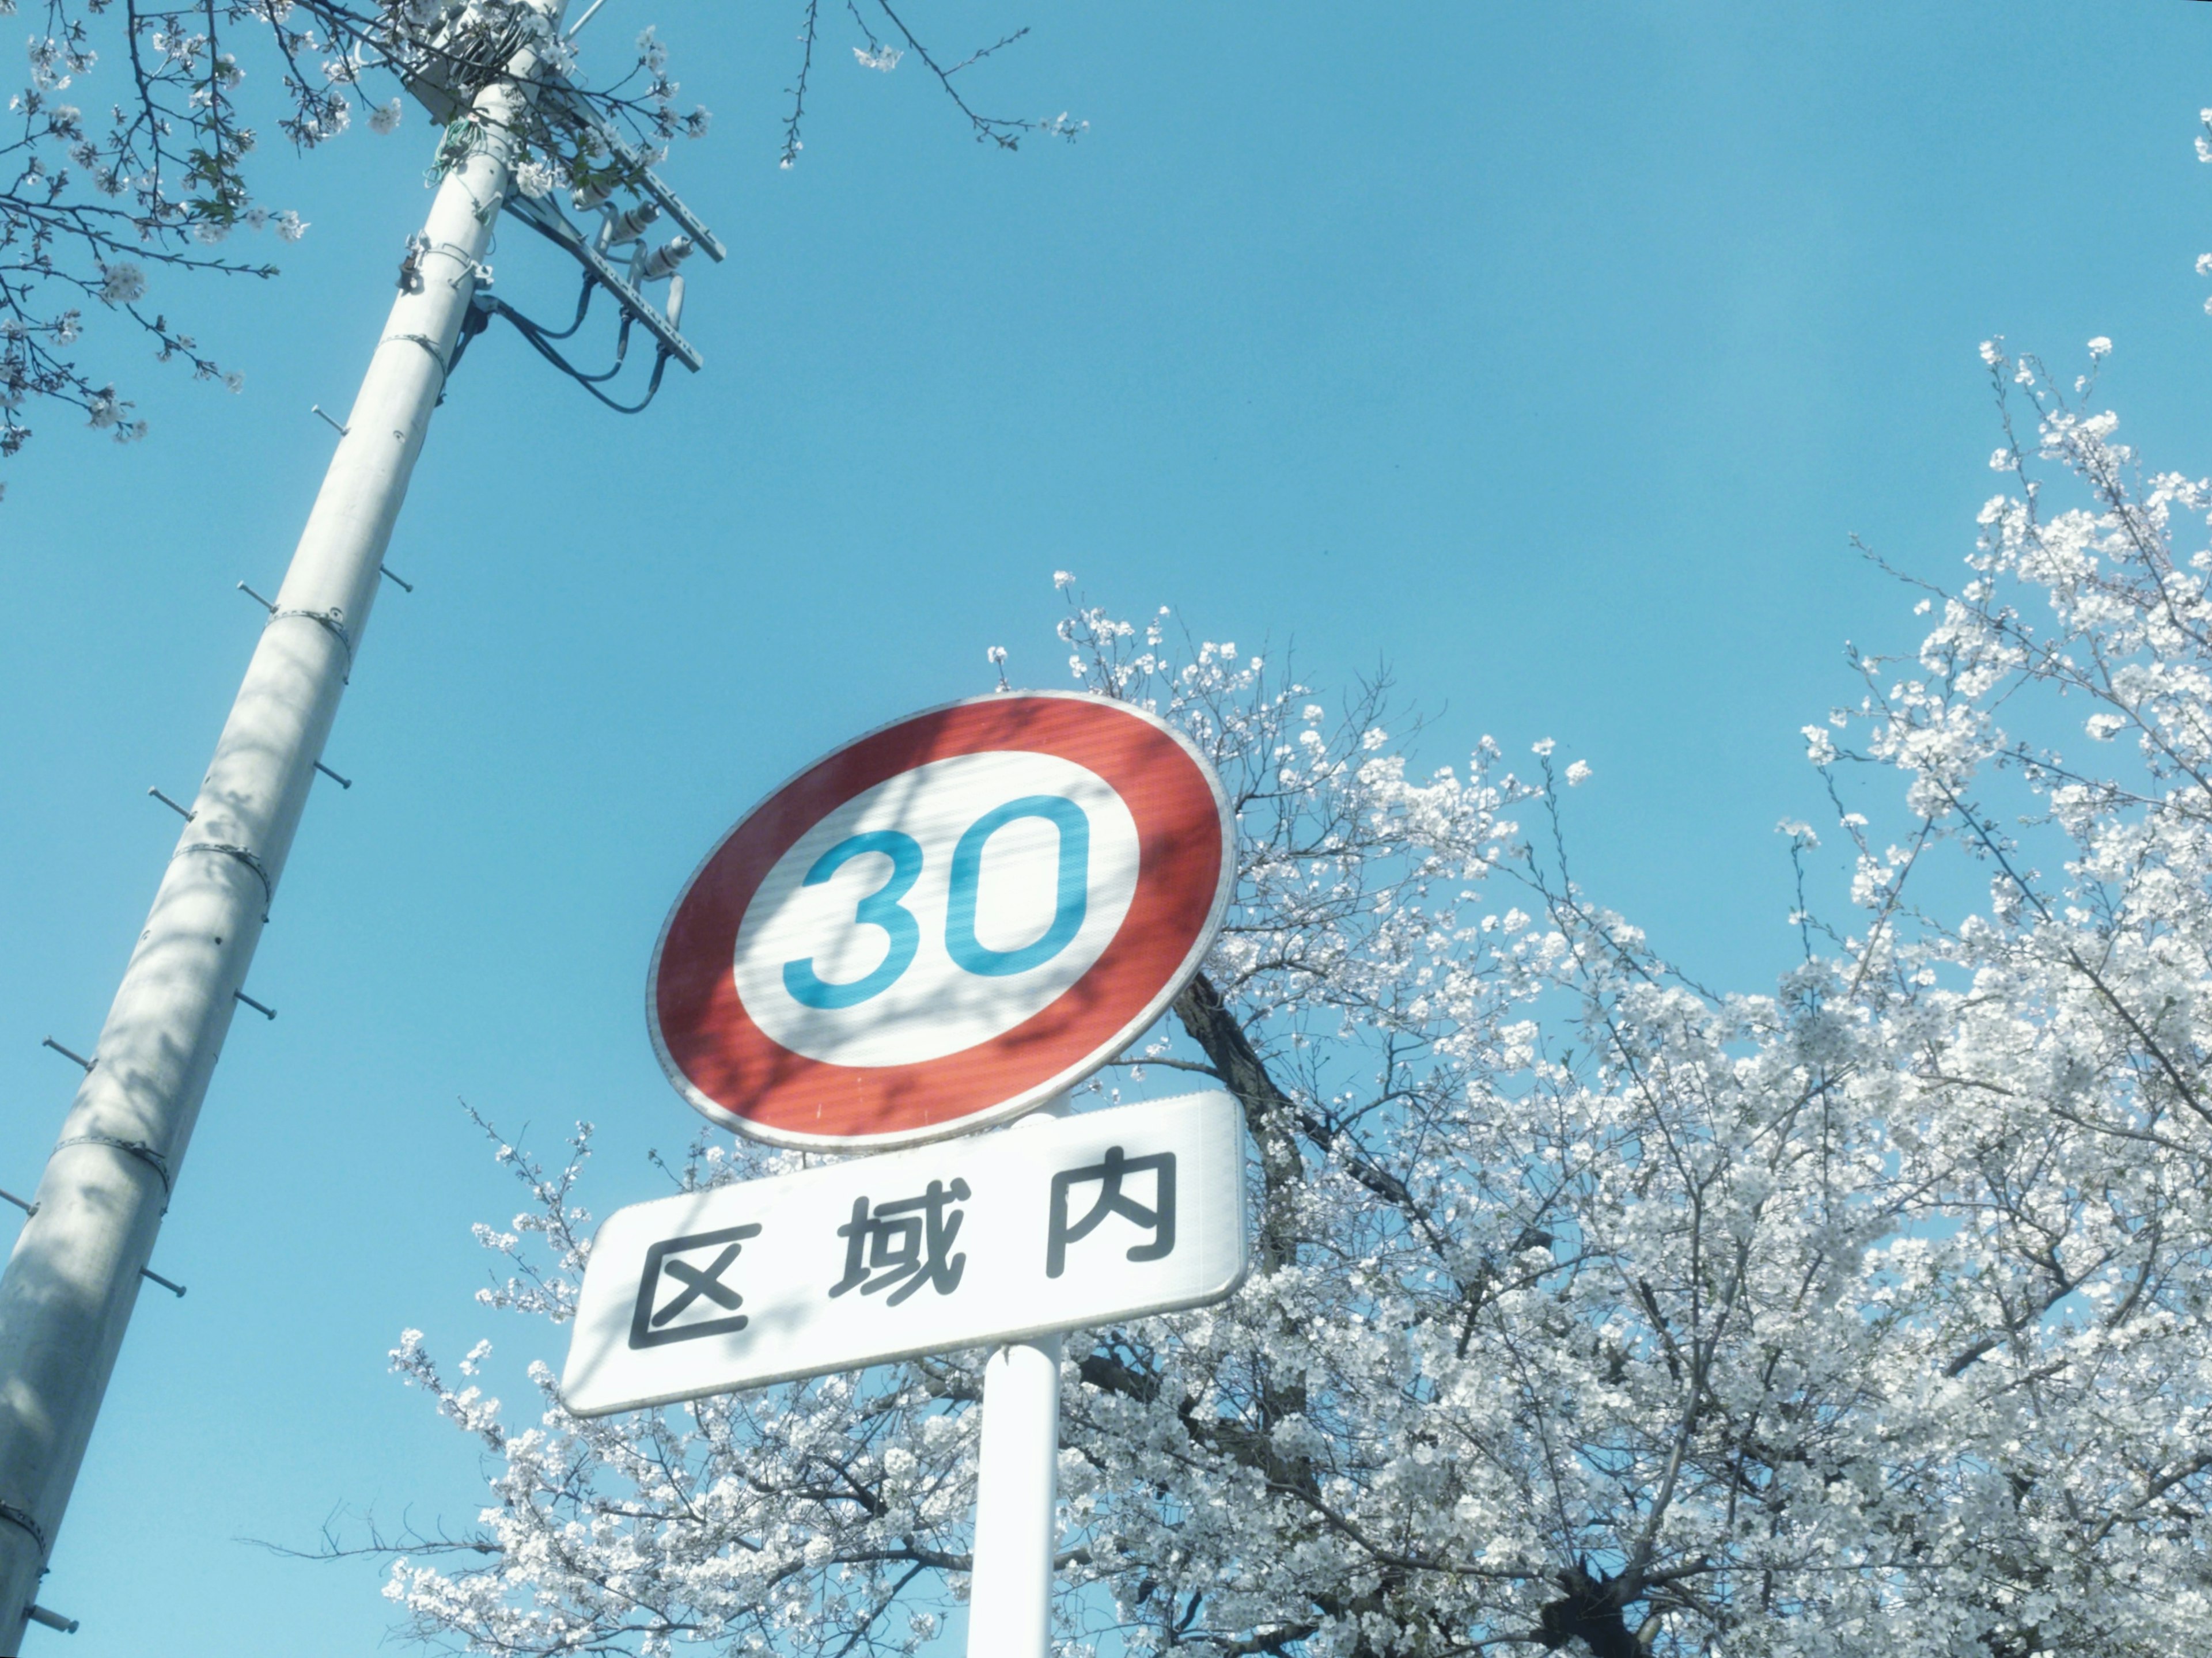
(882, 908)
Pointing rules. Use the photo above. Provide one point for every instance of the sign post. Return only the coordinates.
(945, 924)
(1017, 1490)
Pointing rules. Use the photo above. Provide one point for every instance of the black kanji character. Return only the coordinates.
(650, 1326)
(904, 1244)
(1160, 1219)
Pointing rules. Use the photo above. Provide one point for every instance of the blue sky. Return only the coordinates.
(1548, 356)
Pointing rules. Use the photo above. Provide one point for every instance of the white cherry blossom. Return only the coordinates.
(1595, 1309)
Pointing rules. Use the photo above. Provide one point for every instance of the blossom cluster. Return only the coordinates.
(1871, 1313)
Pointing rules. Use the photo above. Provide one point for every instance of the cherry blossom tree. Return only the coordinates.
(127, 151)
(1594, 1310)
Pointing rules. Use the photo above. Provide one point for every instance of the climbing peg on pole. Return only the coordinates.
(67, 1053)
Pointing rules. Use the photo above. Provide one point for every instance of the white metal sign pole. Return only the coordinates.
(73, 1278)
(1017, 1484)
(1017, 1489)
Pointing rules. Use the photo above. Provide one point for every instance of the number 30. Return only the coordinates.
(882, 908)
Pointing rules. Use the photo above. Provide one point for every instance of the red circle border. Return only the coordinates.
(721, 1061)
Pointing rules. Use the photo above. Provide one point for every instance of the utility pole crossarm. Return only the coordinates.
(652, 183)
(551, 223)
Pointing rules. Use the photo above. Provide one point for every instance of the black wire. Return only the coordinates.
(622, 351)
(541, 341)
(651, 387)
(583, 304)
(474, 320)
(541, 338)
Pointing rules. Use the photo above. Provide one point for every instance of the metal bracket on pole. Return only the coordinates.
(405, 587)
(184, 813)
(38, 1614)
(342, 782)
(316, 408)
(262, 1008)
(269, 606)
(70, 1053)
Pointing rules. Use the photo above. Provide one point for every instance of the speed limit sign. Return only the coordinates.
(944, 923)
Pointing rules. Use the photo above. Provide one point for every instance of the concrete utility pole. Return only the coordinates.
(73, 1279)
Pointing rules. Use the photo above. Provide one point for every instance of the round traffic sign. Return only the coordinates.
(944, 923)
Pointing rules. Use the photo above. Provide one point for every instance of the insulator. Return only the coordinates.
(627, 227)
(587, 197)
(664, 260)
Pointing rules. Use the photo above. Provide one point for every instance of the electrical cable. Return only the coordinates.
(541, 341)
(583, 304)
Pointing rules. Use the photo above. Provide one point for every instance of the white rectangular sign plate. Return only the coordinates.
(1053, 1224)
